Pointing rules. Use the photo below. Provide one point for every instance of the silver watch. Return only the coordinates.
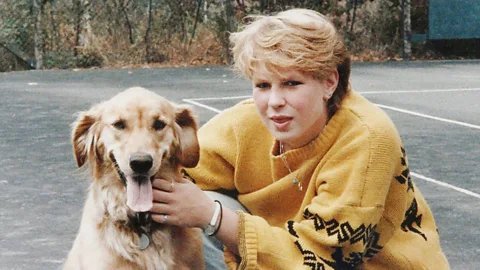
(211, 227)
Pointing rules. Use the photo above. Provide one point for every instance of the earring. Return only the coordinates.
(327, 97)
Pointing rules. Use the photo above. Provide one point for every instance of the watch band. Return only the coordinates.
(220, 220)
(216, 213)
(210, 229)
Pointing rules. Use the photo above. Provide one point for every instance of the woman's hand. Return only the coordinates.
(181, 203)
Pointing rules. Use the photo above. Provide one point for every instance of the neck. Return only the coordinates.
(288, 145)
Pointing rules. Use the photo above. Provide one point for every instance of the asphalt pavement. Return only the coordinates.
(435, 106)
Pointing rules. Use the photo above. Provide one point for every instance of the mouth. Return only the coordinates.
(139, 188)
(281, 122)
(117, 168)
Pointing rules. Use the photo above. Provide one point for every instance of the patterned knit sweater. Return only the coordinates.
(359, 208)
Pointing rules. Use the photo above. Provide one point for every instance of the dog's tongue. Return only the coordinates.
(139, 194)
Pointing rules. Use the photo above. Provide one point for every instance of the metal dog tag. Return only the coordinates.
(144, 241)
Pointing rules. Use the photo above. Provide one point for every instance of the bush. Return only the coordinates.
(88, 58)
(65, 59)
(377, 30)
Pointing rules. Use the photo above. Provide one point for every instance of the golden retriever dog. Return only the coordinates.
(128, 141)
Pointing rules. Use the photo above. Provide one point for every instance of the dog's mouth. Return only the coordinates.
(139, 188)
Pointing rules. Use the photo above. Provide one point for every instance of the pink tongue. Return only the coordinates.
(139, 196)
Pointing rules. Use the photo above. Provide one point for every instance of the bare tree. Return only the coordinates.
(123, 7)
(53, 21)
(407, 29)
(231, 26)
(147, 32)
(197, 16)
(87, 37)
(78, 24)
(38, 36)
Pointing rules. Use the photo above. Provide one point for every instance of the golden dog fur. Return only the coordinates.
(106, 136)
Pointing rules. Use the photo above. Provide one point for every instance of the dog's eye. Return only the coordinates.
(119, 125)
(158, 125)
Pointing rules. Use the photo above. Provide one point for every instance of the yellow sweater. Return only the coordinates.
(358, 207)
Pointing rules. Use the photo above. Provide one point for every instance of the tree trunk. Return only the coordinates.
(127, 21)
(38, 36)
(231, 27)
(197, 16)
(86, 33)
(53, 21)
(407, 29)
(78, 25)
(354, 15)
(147, 32)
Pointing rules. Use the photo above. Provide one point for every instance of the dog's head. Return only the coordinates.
(133, 135)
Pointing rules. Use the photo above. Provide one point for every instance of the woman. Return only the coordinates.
(320, 170)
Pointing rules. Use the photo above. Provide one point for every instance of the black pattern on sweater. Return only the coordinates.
(405, 175)
(411, 218)
(344, 232)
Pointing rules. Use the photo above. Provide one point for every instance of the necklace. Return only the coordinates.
(284, 159)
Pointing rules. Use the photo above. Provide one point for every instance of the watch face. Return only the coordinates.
(209, 229)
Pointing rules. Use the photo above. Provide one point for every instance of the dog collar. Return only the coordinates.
(142, 224)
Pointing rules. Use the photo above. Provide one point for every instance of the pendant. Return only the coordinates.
(144, 241)
(295, 181)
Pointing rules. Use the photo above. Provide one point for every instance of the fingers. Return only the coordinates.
(159, 207)
(171, 198)
(160, 212)
(163, 184)
(170, 220)
(160, 218)
(184, 180)
(160, 196)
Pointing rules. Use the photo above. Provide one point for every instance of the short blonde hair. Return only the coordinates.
(298, 39)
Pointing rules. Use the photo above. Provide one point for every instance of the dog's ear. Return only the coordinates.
(82, 135)
(188, 151)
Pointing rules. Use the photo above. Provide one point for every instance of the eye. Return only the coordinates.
(158, 125)
(120, 125)
(262, 85)
(292, 83)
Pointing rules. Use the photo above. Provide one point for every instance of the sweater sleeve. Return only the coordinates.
(339, 228)
(217, 140)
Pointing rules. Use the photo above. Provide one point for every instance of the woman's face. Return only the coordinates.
(292, 104)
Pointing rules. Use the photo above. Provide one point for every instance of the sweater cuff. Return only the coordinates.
(230, 259)
(247, 242)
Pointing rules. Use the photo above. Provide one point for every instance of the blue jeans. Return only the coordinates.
(212, 247)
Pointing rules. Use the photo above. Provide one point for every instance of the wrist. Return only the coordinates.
(207, 214)
(213, 225)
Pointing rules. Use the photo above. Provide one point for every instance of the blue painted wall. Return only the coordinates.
(454, 19)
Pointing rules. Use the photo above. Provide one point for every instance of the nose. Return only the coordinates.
(276, 98)
(141, 162)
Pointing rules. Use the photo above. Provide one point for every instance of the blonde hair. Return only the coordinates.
(298, 39)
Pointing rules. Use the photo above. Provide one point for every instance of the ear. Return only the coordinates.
(188, 152)
(331, 83)
(82, 136)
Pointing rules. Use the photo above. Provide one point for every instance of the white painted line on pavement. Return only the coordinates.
(201, 105)
(428, 116)
(466, 76)
(362, 93)
(443, 184)
(420, 91)
(464, 191)
(221, 98)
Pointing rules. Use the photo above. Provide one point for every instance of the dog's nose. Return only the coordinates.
(141, 162)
